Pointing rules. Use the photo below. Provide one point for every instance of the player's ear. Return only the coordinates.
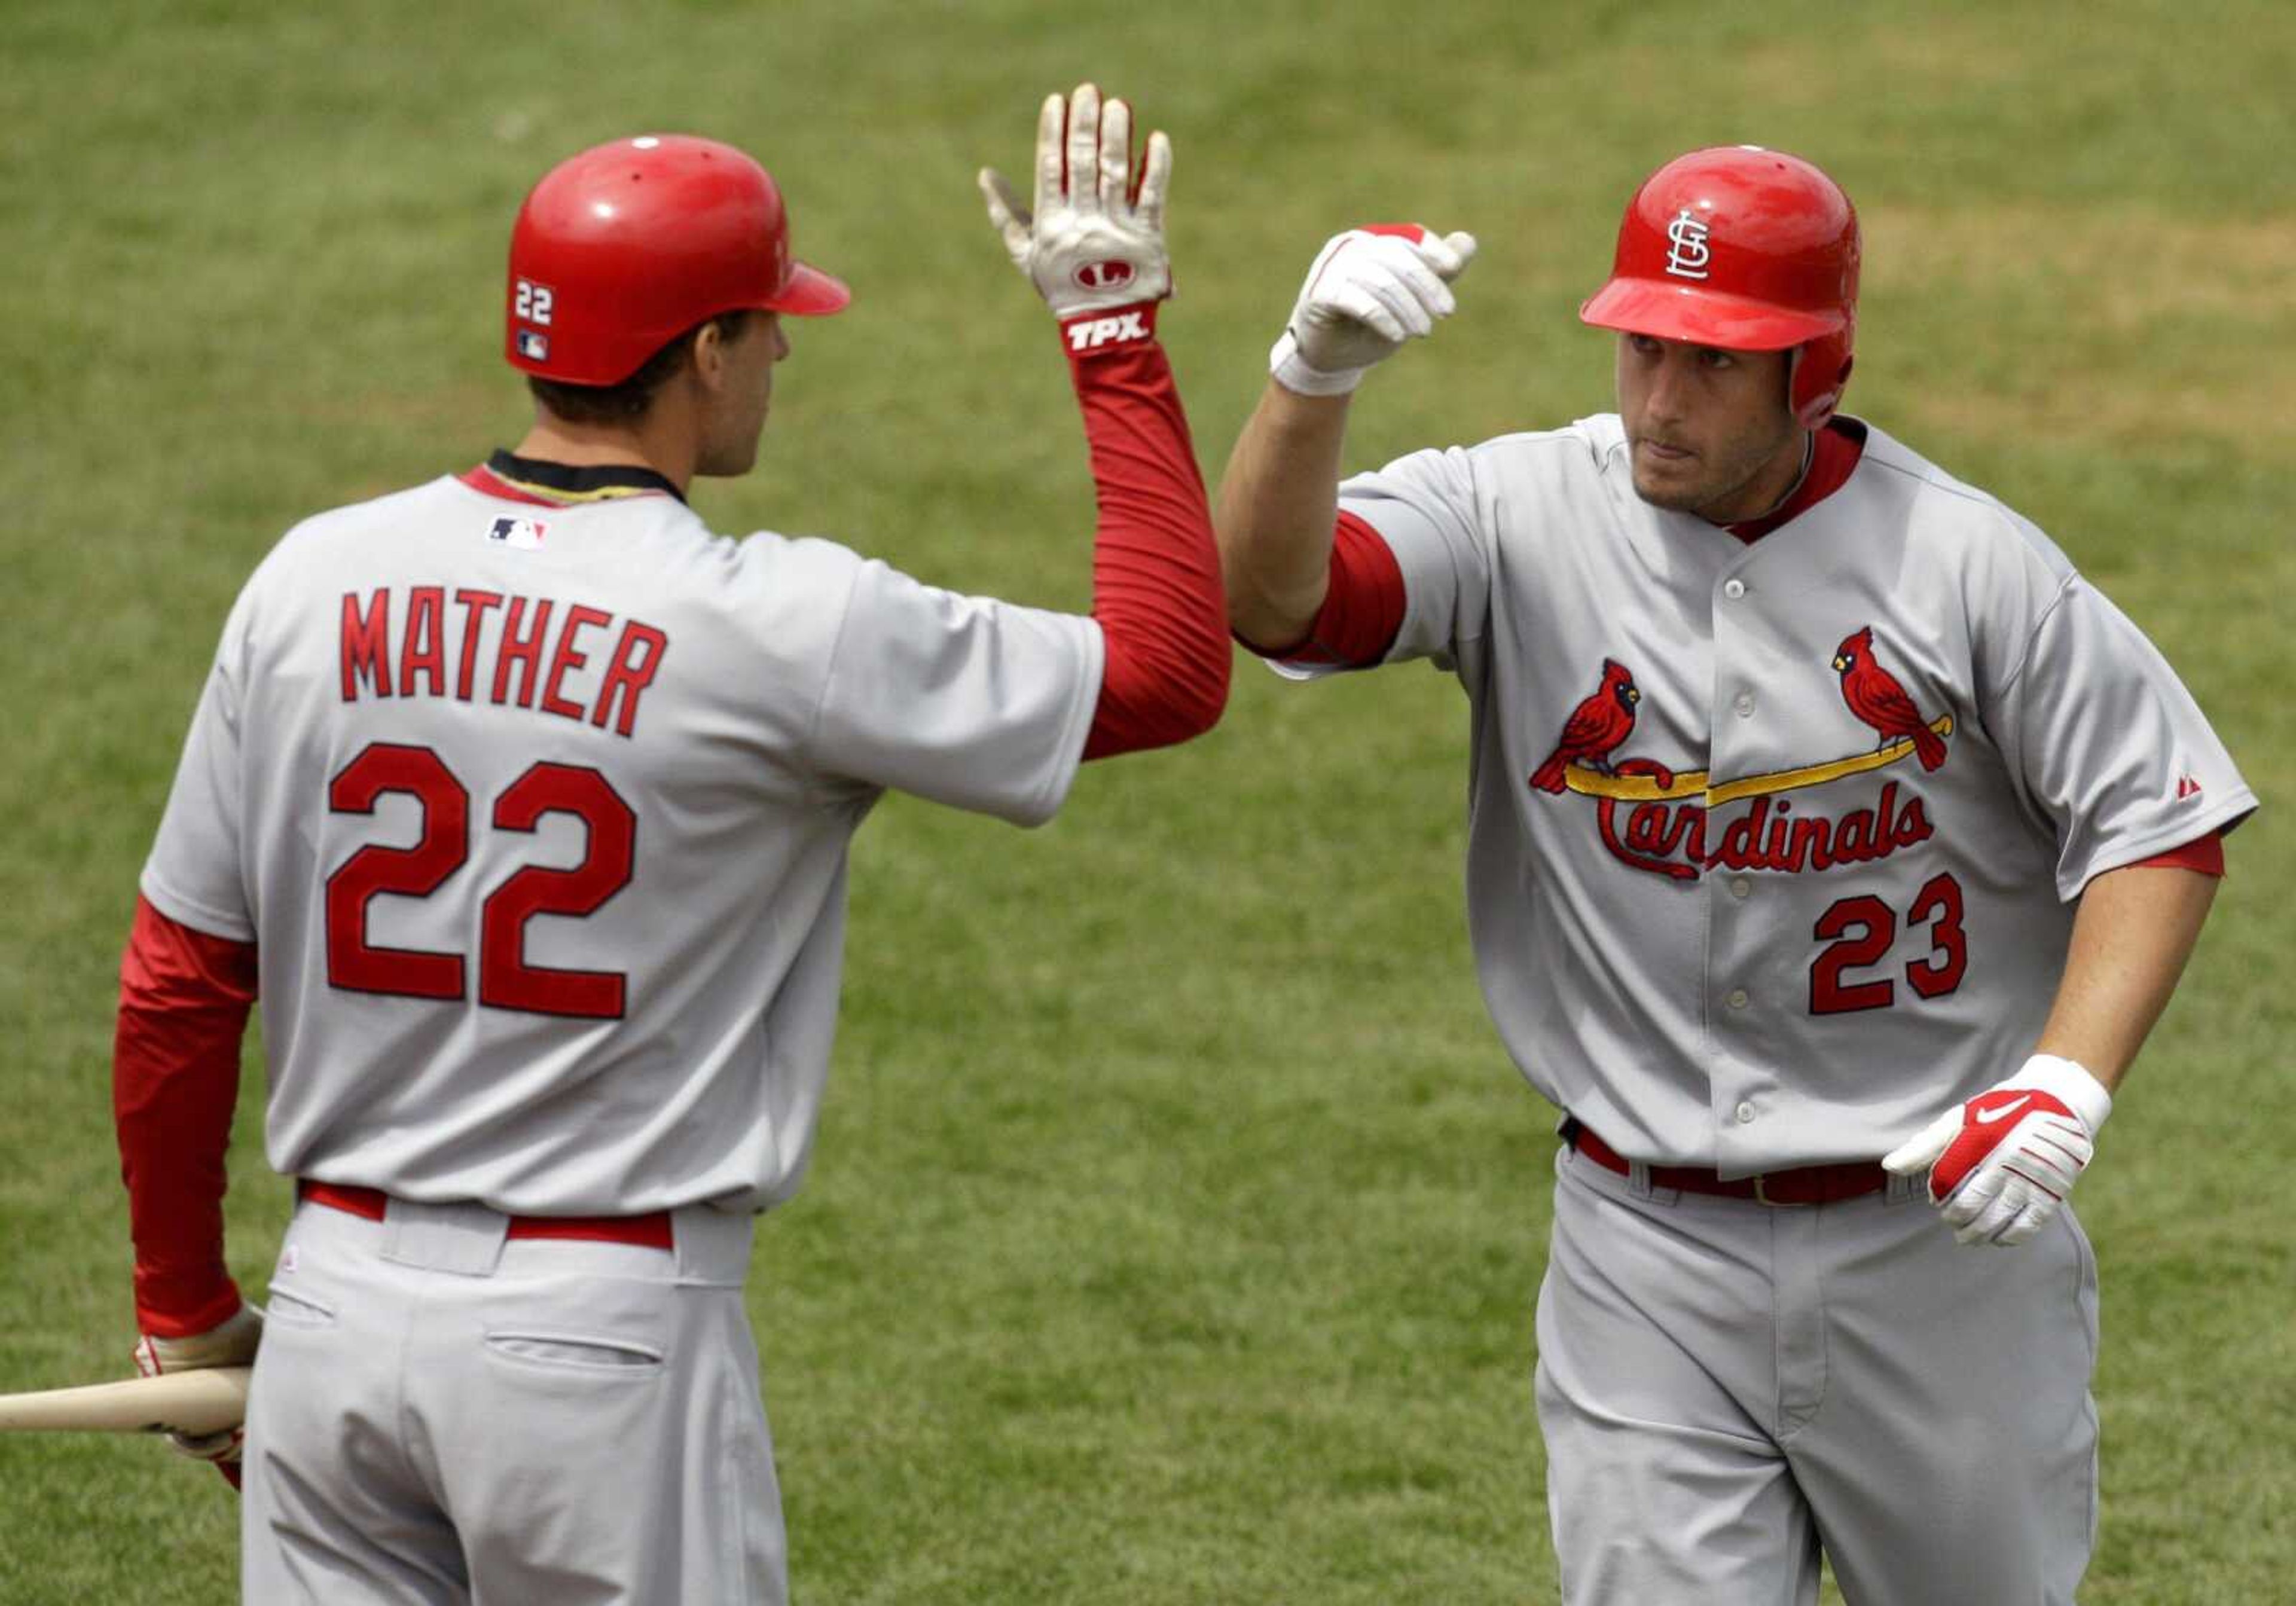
(707, 359)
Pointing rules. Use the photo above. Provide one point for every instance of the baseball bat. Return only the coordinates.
(205, 1400)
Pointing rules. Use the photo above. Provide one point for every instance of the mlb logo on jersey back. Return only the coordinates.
(534, 348)
(525, 534)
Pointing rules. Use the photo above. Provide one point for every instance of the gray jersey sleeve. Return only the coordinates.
(194, 875)
(2108, 744)
(1427, 507)
(965, 700)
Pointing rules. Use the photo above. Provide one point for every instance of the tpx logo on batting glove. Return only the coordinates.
(1093, 242)
(2000, 1166)
(1111, 331)
(1368, 290)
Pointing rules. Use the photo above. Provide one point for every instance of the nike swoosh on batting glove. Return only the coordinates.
(2000, 1165)
(1368, 290)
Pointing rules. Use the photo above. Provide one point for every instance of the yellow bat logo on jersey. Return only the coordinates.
(1664, 831)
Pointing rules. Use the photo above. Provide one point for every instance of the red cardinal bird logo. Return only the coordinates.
(1596, 727)
(1875, 697)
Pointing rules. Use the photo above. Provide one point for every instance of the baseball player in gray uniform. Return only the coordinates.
(521, 801)
(1833, 845)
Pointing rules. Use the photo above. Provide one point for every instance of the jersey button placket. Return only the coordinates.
(1740, 1112)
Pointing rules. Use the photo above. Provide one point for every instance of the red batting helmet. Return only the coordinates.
(1746, 250)
(623, 248)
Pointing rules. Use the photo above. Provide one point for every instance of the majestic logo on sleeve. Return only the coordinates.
(1687, 252)
(1655, 819)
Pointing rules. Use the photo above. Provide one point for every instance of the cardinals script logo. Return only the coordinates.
(1655, 819)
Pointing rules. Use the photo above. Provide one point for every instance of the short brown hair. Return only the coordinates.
(633, 398)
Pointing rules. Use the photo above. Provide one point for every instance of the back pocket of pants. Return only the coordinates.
(574, 1351)
(286, 1307)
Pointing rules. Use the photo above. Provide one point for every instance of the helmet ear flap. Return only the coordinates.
(1816, 374)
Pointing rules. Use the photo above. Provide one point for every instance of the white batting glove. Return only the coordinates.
(1368, 290)
(2000, 1166)
(1091, 245)
(232, 1342)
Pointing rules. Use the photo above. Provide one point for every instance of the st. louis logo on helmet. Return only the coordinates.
(1687, 252)
(1103, 275)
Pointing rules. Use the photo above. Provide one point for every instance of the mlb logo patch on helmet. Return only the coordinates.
(525, 534)
(533, 347)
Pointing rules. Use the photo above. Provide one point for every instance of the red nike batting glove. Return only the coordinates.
(2000, 1166)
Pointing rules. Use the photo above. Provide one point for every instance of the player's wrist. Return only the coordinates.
(185, 1318)
(2071, 1083)
(230, 1342)
(1289, 366)
(1109, 330)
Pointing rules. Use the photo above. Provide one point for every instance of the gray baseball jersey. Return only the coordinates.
(1771, 846)
(543, 811)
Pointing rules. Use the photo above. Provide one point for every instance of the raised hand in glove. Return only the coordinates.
(1368, 290)
(231, 1343)
(1093, 244)
(2000, 1166)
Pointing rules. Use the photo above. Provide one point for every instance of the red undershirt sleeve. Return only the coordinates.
(2202, 854)
(1155, 570)
(184, 1002)
(1363, 603)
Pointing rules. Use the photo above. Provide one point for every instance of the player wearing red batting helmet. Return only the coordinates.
(627, 245)
(1744, 250)
(522, 801)
(1854, 887)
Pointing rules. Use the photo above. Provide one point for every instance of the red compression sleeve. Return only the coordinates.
(1155, 571)
(184, 998)
(1363, 602)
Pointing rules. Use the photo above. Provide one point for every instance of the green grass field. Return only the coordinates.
(1176, 1218)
